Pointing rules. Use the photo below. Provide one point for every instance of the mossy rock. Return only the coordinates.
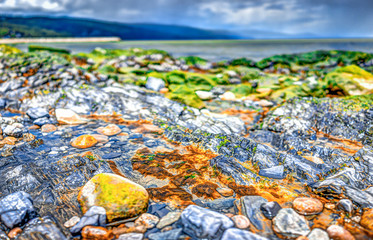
(120, 197)
(242, 90)
(193, 60)
(352, 80)
(186, 95)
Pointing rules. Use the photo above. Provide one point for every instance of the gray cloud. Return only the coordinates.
(322, 17)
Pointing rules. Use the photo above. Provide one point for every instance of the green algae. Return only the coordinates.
(7, 50)
(33, 48)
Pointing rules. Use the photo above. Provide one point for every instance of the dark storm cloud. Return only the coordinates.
(322, 17)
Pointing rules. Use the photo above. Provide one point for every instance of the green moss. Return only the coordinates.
(186, 95)
(242, 90)
(33, 48)
(193, 60)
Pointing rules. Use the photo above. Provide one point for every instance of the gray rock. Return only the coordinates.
(95, 216)
(16, 209)
(270, 209)
(155, 84)
(13, 131)
(276, 172)
(42, 228)
(131, 236)
(238, 234)
(318, 234)
(220, 204)
(203, 223)
(2, 103)
(169, 219)
(345, 205)
(290, 224)
(35, 113)
(250, 206)
(168, 235)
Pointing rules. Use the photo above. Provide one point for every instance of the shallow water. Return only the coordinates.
(226, 49)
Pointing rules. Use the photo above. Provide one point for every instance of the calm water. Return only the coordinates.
(227, 49)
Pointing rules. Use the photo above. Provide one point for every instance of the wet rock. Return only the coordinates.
(13, 131)
(95, 216)
(225, 192)
(290, 224)
(42, 121)
(96, 233)
(71, 222)
(109, 130)
(16, 209)
(84, 141)
(155, 84)
(270, 209)
(318, 234)
(35, 113)
(172, 234)
(169, 219)
(307, 206)
(147, 220)
(367, 219)
(120, 197)
(336, 232)
(345, 205)
(159, 209)
(3, 235)
(111, 155)
(2, 103)
(67, 116)
(203, 223)
(221, 204)
(241, 221)
(250, 207)
(276, 172)
(131, 236)
(237, 234)
(42, 228)
(47, 128)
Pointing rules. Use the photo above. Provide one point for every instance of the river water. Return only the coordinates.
(216, 50)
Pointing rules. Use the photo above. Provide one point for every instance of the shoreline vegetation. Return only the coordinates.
(59, 40)
(118, 39)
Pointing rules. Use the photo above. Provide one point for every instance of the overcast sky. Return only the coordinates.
(341, 18)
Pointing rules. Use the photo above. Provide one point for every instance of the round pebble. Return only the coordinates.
(339, 233)
(109, 130)
(47, 128)
(71, 222)
(307, 206)
(241, 221)
(14, 232)
(84, 141)
(147, 220)
(96, 233)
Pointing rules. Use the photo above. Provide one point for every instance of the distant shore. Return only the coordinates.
(59, 40)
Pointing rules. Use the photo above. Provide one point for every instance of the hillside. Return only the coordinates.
(11, 26)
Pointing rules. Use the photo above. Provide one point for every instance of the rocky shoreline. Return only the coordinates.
(135, 144)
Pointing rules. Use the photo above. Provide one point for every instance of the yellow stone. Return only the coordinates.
(121, 197)
(84, 141)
